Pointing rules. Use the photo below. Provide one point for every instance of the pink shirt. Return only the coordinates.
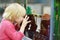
(8, 32)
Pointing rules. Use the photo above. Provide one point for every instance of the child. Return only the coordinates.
(13, 14)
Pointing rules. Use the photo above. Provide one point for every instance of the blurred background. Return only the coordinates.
(39, 12)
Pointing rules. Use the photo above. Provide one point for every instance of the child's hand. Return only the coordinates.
(24, 23)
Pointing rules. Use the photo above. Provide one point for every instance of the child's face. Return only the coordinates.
(20, 19)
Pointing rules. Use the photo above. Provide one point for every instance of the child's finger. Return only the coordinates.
(27, 18)
(28, 21)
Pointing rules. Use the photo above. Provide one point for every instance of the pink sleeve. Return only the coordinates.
(12, 33)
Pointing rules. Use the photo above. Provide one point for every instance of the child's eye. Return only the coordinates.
(24, 16)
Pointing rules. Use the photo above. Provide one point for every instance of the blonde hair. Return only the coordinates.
(14, 10)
